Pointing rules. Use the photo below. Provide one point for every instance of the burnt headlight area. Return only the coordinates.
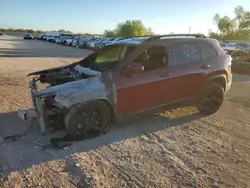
(53, 114)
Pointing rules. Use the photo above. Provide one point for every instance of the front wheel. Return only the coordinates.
(88, 119)
(211, 98)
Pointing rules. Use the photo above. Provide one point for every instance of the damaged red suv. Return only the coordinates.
(132, 76)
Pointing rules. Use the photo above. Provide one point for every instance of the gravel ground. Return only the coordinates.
(179, 148)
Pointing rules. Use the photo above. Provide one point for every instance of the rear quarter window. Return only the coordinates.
(207, 51)
(186, 53)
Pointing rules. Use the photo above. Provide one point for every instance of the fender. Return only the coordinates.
(218, 77)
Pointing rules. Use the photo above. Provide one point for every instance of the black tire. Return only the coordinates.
(211, 98)
(88, 120)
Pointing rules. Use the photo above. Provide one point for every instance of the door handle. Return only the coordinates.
(166, 74)
(205, 66)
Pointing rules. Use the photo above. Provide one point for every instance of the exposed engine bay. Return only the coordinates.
(65, 75)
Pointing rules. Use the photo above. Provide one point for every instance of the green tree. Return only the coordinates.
(239, 15)
(237, 28)
(129, 28)
(132, 28)
(79, 34)
(226, 25)
(87, 34)
(19, 30)
(110, 33)
(150, 31)
(39, 31)
(61, 31)
(215, 35)
(29, 30)
(216, 19)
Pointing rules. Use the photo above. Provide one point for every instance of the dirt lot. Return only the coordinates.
(180, 148)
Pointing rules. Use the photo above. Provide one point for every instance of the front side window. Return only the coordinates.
(207, 51)
(109, 55)
(107, 58)
(186, 53)
(153, 58)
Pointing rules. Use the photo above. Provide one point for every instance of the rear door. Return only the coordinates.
(209, 57)
(187, 75)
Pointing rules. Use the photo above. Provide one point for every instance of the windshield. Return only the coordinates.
(107, 58)
(84, 39)
(101, 40)
(94, 39)
(98, 39)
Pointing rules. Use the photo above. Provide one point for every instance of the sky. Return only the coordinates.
(94, 16)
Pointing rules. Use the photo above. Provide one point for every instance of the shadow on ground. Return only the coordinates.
(25, 152)
(36, 48)
(3, 38)
(38, 53)
(241, 77)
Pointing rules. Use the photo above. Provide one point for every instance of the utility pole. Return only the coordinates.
(189, 30)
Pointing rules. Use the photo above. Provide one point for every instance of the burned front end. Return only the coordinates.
(65, 87)
(50, 114)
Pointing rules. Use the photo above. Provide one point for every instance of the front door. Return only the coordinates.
(145, 89)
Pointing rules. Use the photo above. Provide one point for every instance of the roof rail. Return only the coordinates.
(156, 37)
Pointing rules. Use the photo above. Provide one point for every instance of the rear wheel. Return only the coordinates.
(211, 98)
(88, 120)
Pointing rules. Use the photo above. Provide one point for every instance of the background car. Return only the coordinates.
(243, 46)
(39, 37)
(96, 45)
(53, 38)
(83, 42)
(57, 40)
(29, 37)
(60, 40)
(108, 41)
(91, 43)
(76, 41)
(69, 40)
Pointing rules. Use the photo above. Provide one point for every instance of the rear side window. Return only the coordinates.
(186, 53)
(207, 51)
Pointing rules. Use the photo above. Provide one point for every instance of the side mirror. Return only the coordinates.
(135, 67)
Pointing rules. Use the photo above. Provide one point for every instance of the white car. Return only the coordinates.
(70, 40)
(29, 37)
(231, 46)
(228, 46)
(58, 40)
(51, 38)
